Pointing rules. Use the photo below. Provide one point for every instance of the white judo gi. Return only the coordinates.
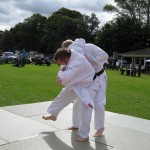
(78, 81)
(97, 57)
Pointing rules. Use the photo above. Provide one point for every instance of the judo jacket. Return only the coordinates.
(95, 55)
(78, 76)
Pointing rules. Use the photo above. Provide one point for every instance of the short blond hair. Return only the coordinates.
(66, 43)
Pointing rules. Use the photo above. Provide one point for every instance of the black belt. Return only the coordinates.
(98, 74)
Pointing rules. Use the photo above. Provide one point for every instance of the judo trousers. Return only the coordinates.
(99, 102)
(66, 97)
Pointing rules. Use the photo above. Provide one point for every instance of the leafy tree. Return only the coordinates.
(65, 24)
(132, 8)
(32, 30)
(121, 35)
(27, 35)
(106, 37)
(45, 35)
(130, 27)
(92, 25)
(6, 41)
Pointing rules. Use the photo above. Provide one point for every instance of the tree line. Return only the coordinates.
(130, 30)
(38, 33)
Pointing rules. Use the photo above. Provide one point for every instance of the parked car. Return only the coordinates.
(8, 57)
(1, 60)
(147, 65)
(41, 59)
(122, 63)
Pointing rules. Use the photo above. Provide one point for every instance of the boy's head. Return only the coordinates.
(66, 43)
(62, 56)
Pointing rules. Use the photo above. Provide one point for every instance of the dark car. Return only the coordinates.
(1, 60)
(8, 57)
(41, 59)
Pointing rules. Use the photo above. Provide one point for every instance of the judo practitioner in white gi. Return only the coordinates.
(97, 57)
(77, 77)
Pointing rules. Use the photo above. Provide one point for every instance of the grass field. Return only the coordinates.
(27, 85)
(125, 94)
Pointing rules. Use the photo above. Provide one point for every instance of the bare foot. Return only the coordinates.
(72, 128)
(99, 132)
(82, 139)
(51, 117)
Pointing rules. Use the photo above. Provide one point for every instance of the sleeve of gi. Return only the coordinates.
(100, 56)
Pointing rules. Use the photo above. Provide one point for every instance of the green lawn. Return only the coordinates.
(125, 94)
(128, 95)
(27, 85)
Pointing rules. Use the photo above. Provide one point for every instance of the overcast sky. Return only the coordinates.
(14, 11)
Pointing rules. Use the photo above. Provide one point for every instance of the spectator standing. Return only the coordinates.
(139, 70)
(23, 55)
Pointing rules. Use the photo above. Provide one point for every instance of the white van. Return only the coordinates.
(147, 64)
